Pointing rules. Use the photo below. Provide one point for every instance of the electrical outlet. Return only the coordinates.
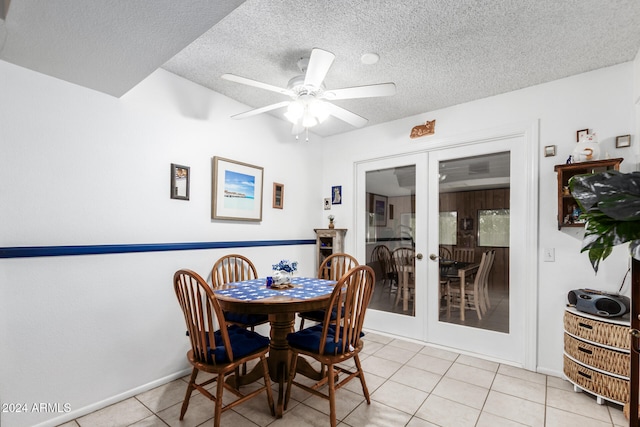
(549, 255)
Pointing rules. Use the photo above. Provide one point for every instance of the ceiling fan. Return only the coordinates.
(309, 104)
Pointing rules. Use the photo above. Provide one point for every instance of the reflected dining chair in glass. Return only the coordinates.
(332, 268)
(332, 343)
(466, 255)
(218, 351)
(404, 259)
(474, 293)
(382, 255)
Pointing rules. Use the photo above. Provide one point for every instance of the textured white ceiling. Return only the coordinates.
(106, 45)
(439, 53)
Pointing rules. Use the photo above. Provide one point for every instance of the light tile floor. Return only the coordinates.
(410, 385)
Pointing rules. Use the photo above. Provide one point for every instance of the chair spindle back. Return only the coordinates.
(336, 265)
(232, 268)
(349, 301)
(201, 314)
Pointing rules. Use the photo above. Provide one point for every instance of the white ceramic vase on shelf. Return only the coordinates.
(587, 149)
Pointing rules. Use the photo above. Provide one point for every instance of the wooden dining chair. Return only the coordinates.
(218, 351)
(404, 259)
(444, 253)
(462, 255)
(332, 268)
(236, 268)
(484, 286)
(474, 292)
(331, 343)
(467, 255)
(382, 254)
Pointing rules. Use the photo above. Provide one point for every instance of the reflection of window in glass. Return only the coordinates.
(448, 221)
(493, 228)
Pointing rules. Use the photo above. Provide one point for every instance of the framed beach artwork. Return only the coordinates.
(236, 190)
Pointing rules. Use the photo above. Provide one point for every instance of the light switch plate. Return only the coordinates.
(549, 255)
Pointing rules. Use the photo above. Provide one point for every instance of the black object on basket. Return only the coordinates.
(599, 303)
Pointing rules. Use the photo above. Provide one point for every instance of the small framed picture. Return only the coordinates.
(336, 195)
(581, 133)
(278, 195)
(179, 182)
(379, 209)
(327, 204)
(549, 150)
(623, 141)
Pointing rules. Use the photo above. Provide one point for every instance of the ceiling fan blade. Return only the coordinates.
(369, 91)
(346, 116)
(255, 83)
(257, 111)
(319, 64)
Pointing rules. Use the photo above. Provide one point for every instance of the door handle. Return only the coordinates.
(433, 257)
(419, 255)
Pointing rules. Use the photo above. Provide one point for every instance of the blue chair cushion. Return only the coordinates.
(309, 339)
(317, 315)
(245, 319)
(243, 342)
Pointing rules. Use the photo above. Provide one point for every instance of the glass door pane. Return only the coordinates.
(474, 241)
(389, 207)
(390, 237)
(474, 189)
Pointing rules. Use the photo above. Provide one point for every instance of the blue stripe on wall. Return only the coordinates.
(42, 251)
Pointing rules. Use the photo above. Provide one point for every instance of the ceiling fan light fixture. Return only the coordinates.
(319, 109)
(309, 121)
(295, 111)
(307, 110)
(309, 103)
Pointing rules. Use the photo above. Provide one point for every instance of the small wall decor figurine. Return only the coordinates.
(428, 128)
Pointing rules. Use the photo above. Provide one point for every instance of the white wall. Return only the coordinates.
(601, 100)
(78, 167)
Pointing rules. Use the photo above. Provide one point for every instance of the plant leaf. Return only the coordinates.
(610, 202)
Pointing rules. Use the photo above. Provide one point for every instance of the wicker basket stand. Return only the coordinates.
(596, 355)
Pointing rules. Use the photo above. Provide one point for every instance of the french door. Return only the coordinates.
(390, 201)
(474, 199)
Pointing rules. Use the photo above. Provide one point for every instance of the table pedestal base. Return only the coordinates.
(279, 360)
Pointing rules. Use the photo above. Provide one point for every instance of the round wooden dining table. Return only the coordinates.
(281, 309)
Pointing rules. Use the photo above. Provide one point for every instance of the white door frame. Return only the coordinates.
(526, 272)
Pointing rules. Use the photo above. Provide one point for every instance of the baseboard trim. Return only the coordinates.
(113, 399)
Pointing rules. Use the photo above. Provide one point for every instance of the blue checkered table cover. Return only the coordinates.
(304, 288)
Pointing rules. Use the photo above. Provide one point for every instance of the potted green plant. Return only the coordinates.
(610, 204)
